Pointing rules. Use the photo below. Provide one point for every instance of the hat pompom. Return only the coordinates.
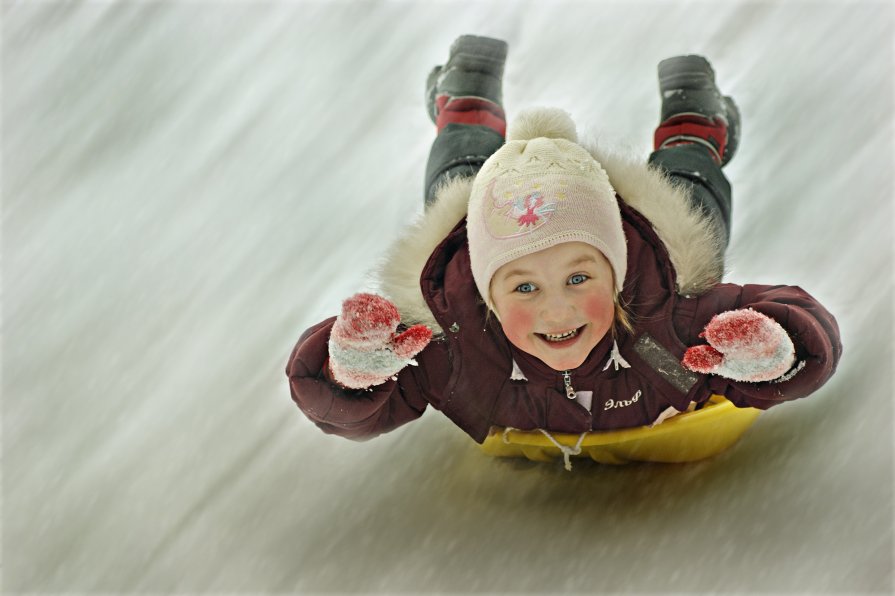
(550, 123)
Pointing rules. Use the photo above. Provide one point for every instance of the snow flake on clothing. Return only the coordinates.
(517, 374)
(615, 358)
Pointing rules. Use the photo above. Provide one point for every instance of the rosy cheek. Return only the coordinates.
(517, 321)
(600, 308)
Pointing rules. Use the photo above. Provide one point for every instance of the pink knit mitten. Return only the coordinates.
(364, 348)
(744, 345)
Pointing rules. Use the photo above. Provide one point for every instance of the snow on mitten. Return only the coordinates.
(364, 348)
(744, 345)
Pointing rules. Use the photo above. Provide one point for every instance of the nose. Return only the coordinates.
(557, 310)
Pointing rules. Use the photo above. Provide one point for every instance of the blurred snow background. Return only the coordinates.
(188, 186)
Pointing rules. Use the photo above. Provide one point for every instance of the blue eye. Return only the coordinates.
(525, 288)
(578, 278)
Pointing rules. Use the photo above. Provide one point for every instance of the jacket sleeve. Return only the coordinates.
(813, 331)
(355, 414)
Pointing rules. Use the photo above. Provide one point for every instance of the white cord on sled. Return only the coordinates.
(567, 452)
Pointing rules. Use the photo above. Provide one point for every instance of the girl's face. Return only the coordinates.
(556, 304)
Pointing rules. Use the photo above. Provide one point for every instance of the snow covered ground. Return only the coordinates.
(186, 187)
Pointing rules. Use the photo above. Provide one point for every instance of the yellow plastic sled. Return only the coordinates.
(689, 436)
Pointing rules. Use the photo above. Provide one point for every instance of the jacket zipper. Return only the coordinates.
(567, 380)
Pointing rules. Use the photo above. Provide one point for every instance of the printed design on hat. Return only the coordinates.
(516, 214)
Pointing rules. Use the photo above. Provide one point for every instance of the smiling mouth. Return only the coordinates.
(560, 337)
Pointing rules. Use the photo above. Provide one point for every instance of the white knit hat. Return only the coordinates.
(539, 190)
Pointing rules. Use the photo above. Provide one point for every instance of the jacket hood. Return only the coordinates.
(695, 249)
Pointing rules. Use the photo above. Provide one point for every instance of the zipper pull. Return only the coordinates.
(567, 379)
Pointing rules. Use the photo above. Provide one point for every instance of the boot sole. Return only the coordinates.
(687, 85)
(474, 68)
(686, 72)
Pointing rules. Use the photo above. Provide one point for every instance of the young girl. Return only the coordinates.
(552, 287)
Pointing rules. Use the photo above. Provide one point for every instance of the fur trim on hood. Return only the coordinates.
(693, 246)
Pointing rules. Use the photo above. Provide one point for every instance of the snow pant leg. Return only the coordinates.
(693, 167)
(458, 150)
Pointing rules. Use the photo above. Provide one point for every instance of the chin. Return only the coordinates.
(564, 365)
(562, 362)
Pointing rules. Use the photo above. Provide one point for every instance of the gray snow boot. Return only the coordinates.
(474, 69)
(694, 111)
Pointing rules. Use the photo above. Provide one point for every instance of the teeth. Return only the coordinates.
(561, 336)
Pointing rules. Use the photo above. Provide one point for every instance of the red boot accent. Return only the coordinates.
(693, 128)
(470, 110)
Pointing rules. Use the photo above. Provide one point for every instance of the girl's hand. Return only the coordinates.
(744, 345)
(364, 348)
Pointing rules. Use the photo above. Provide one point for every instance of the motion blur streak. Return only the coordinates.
(187, 187)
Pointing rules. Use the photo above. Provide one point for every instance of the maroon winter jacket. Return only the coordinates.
(466, 372)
